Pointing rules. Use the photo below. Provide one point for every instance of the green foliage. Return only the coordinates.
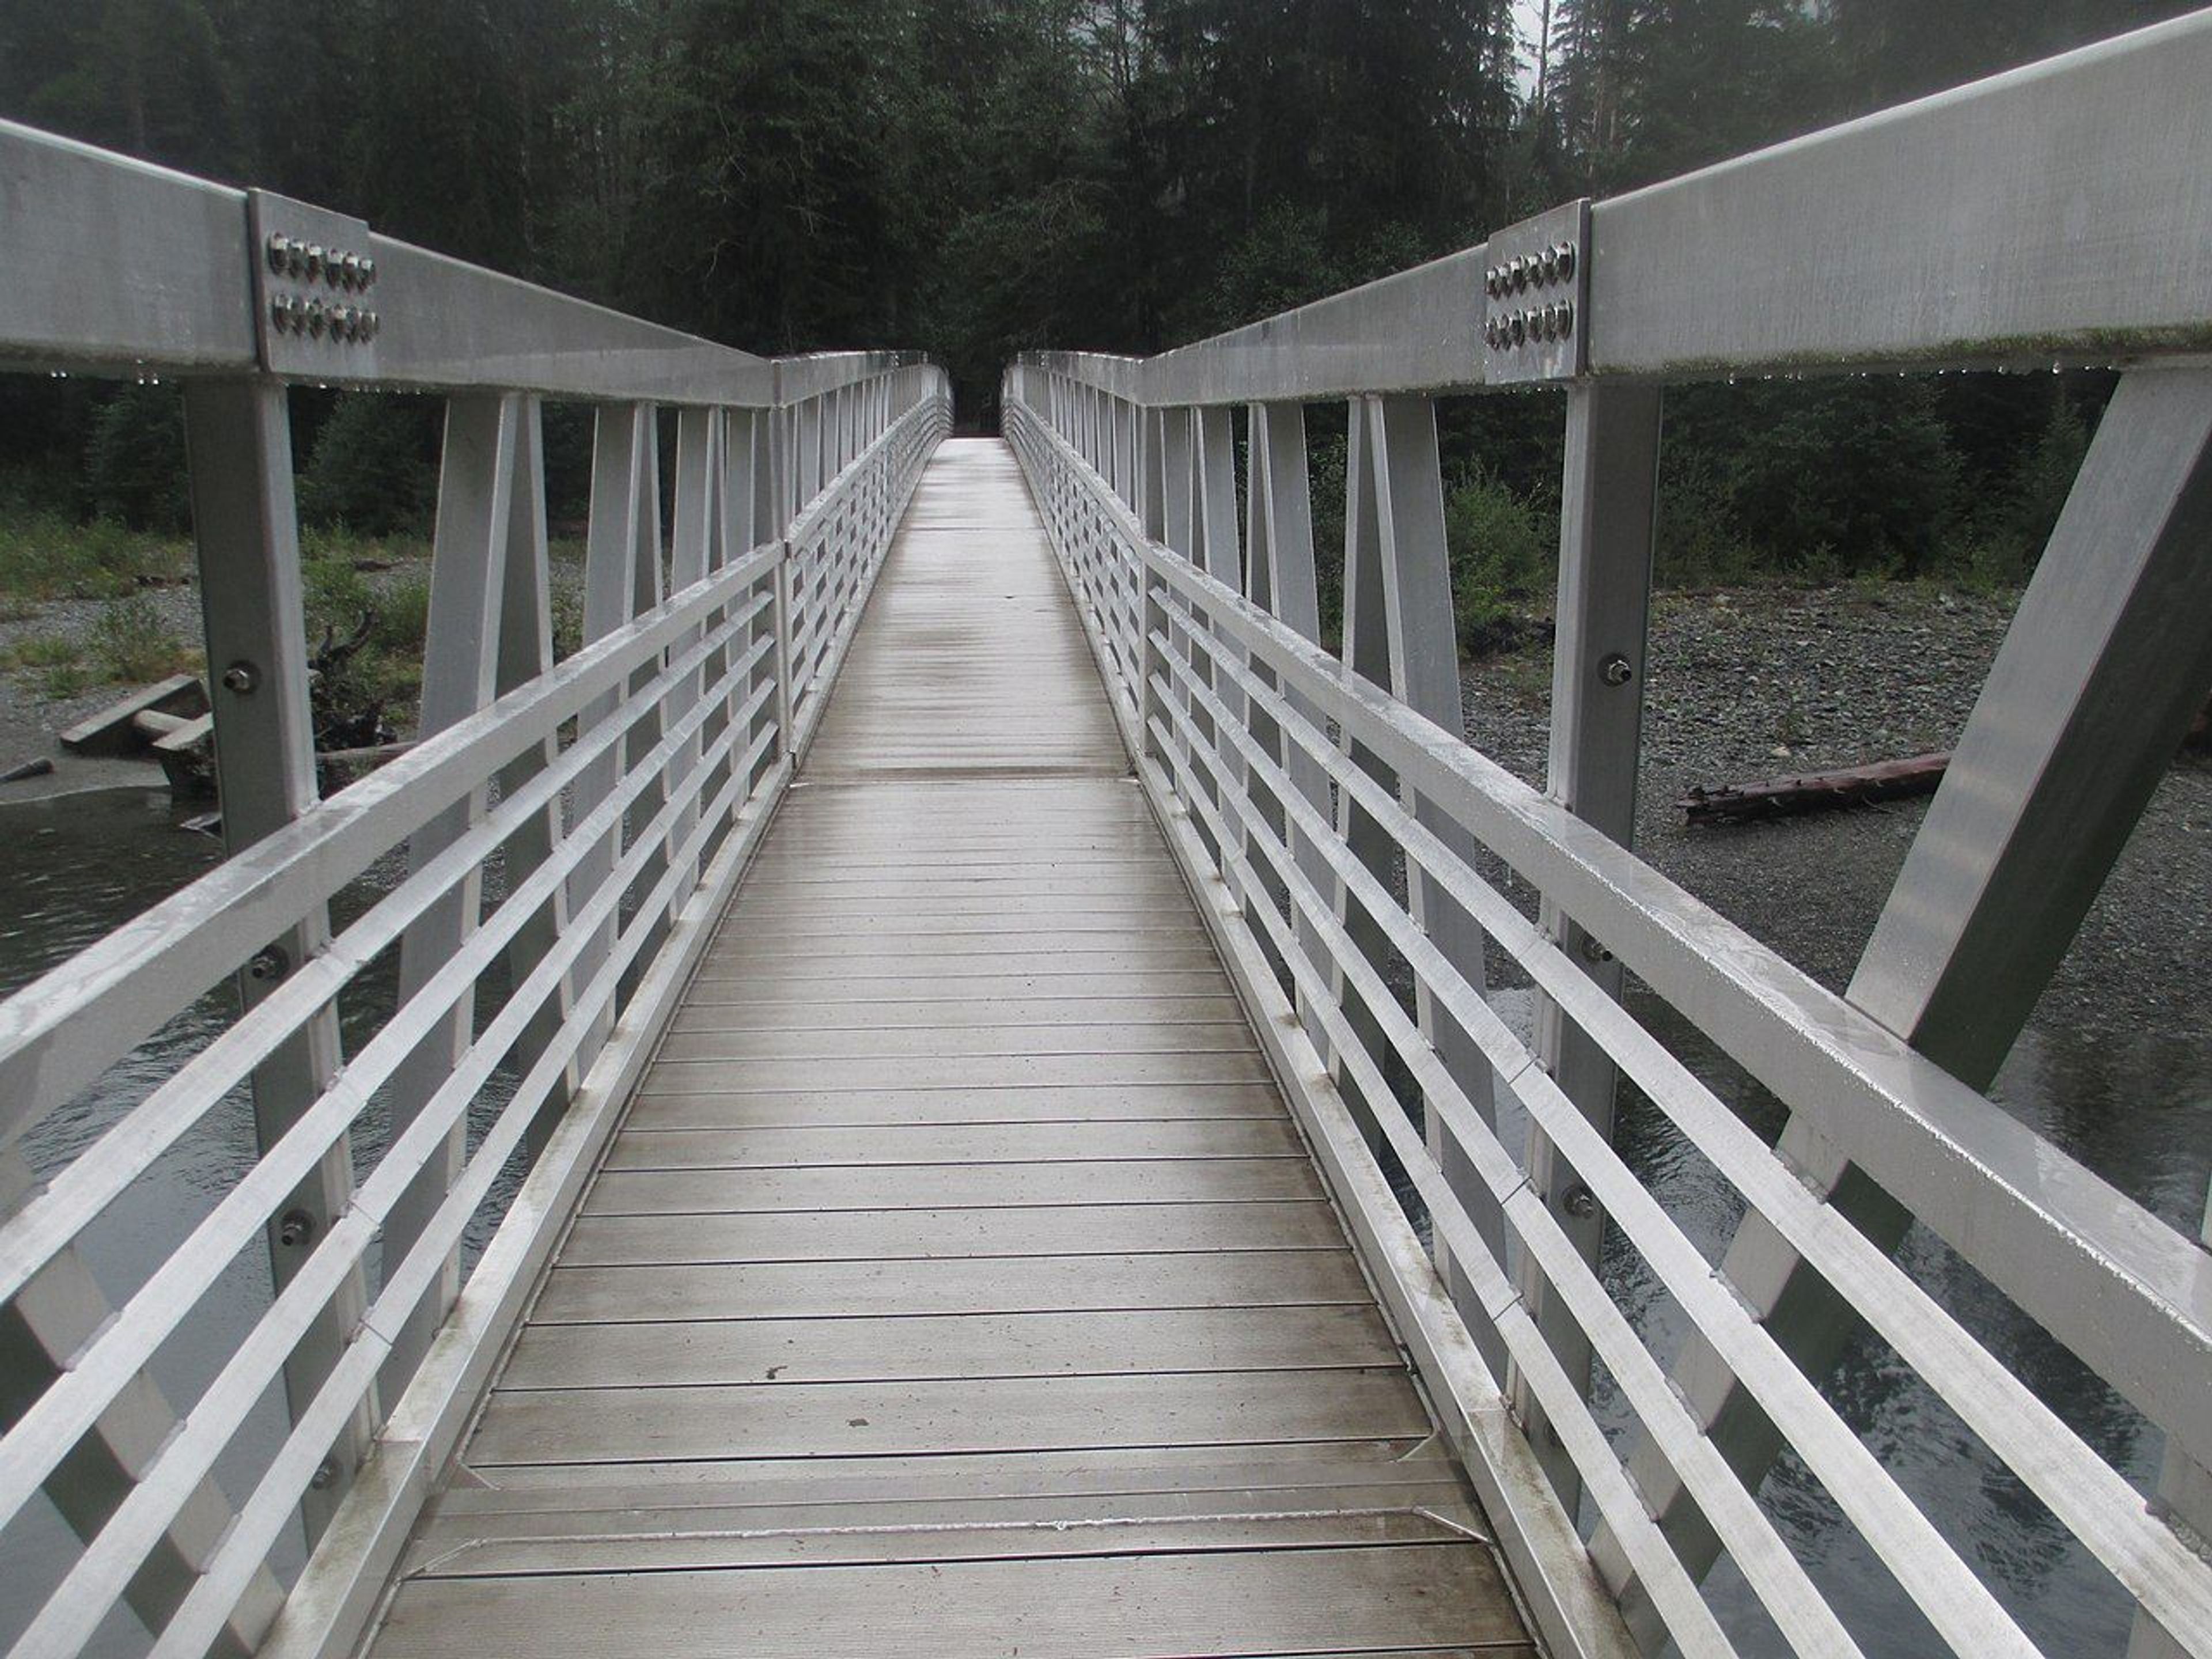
(45, 651)
(45, 557)
(1503, 554)
(134, 643)
(374, 470)
(134, 459)
(979, 177)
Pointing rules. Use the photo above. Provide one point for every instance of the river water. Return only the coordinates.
(2134, 1105)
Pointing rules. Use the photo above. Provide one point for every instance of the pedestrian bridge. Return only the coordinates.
(934, 1086)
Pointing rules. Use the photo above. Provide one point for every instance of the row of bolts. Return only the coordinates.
(311, 261)
(1556, 321)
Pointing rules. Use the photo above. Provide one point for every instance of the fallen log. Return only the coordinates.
(1817, 791)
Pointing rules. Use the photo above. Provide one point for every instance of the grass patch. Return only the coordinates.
(45, 557)
(134, 644)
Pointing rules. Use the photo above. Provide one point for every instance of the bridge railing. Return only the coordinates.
(1356, 858)
(449, 973)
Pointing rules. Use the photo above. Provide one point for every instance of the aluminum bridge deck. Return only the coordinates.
(959, 1284)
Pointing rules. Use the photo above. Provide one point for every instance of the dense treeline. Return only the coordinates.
(974, 177)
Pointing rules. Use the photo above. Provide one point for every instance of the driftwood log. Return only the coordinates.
(1817, 791)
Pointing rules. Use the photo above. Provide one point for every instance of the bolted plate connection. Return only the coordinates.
(1535, 283)
(314, 289)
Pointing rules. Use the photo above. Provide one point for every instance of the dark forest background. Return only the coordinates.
(976, 177)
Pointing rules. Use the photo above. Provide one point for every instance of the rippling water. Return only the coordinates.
(76, 868)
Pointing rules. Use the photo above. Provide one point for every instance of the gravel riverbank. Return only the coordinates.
(1749, 683)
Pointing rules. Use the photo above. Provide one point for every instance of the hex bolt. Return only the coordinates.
(295, 1228)
(280, 314)
(279, 246)
(1521, 275)
(368, 271)
(268, 964)
(317, 317)
(1520, 327)
(370, 323)
(1567, 257)
(1566, 318)
(314, 260)
(325, 1472)
(242, 678)
(1595, 950)
(1579, 1201)
(1550, 258)
(1616, 669)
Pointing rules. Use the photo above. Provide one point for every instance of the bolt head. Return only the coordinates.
(1579, 1202)
(1567, 257)
(295, 1228)
(1566, 318)
(1520, 327)
(241, 678)
(325, 1472)
(1616, 669)
(280, 313)
(315, 265)
(268, 964)
(1549, 262)
(317, 319)
(367, 271)
(280, 247)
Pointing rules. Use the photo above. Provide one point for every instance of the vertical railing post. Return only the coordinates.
(524, 654)
(460, 663)
(620, 442)
(1609, 516)
(692, 541)
(1401, 631)
(254, 616)
(1280, 578)
(1152, 469)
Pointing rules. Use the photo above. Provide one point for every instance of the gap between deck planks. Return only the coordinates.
(958, 1284)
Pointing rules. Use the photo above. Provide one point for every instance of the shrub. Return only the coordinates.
(374, 467)
(134, 644)
(1501, 559)
(134, 462)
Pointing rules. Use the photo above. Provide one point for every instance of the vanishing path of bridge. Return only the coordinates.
(931, 1084)
(958, 1237)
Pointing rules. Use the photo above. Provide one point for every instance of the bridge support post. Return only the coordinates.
(247, 528)
(1400, 632)
(2105, 663)
(1280, 578)
(1608, 517)
(476, 546)
(525, 651)
(693, 551)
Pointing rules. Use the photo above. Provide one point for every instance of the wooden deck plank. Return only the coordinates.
(1285, 1601)
(924, 1347)
(951, 1185)
(957, 1283)
(969, 1414)
(885, 1235)
(953, 1143)
(745, 1109)
(953, 1285)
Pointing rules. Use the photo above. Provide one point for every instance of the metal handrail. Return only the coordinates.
(1225, 770)
(1329, 811)
(616, 794)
